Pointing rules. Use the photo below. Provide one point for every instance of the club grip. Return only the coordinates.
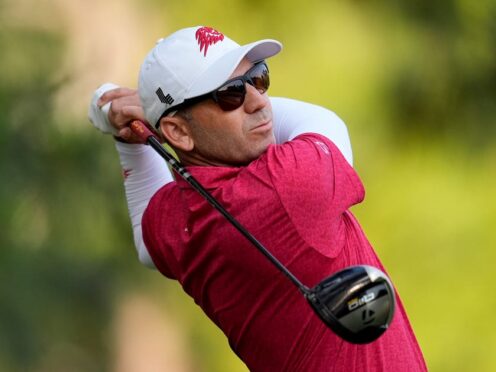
(141, 130)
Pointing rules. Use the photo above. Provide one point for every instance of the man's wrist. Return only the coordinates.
(119, 139)
(99, 115)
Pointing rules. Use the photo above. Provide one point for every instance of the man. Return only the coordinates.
(277, 172)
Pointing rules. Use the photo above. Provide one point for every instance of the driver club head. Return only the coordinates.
(357, 303)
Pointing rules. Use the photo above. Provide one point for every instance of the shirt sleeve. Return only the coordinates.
(144, 173)
(292, 118)
(316, 185)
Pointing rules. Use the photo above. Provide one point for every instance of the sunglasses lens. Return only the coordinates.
(231, 95)
(259, 77)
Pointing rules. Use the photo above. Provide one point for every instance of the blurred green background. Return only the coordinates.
(415, 81)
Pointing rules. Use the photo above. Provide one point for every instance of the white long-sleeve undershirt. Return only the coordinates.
(145, 171)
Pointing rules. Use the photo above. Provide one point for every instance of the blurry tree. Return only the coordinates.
(58, 264)
(446, 85)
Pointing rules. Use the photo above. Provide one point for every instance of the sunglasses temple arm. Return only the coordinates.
(145, 134)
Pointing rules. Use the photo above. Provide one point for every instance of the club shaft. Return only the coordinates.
(181, 170)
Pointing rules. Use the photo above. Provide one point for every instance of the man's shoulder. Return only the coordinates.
(308, 149)
(309, 170)
(309, 141)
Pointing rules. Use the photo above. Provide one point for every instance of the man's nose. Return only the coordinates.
(254, 100)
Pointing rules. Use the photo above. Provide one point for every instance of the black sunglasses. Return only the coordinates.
(231, 94)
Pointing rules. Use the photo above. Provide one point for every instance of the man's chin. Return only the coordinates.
(270, 140)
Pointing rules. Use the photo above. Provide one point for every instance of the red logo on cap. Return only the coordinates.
(207, 36)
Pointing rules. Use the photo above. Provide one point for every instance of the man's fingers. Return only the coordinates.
(127, 135)
(133, 113)
(114, 94)
(121, 116)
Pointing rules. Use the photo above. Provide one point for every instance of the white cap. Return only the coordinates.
(192, 62)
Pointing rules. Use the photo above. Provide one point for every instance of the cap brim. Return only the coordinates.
(222, 69)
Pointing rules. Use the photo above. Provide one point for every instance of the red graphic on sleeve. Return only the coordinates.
(126, 173)
(207, 36)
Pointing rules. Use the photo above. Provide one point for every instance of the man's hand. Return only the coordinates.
(124, 108)
(113, 111)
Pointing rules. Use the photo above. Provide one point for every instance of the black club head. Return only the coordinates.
(357, 303)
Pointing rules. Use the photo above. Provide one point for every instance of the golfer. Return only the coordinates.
(283, 168)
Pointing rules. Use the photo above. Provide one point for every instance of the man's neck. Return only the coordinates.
(193, 159)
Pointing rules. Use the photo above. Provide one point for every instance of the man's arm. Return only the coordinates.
(144, 174)
(292, 118)
(111, 109)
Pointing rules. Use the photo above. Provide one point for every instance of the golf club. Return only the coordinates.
(357, 303)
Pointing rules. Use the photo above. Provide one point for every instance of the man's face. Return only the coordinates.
(226, 138)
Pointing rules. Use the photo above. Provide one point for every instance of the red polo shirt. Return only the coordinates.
(295, 200)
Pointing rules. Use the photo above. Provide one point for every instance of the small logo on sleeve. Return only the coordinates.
(126, 173)
(323, 147)
(207, 36)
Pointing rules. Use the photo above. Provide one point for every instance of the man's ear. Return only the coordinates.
(176, 131)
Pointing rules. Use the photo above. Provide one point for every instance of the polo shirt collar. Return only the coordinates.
(209, 177)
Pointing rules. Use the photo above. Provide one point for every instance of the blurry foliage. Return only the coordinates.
(59, 221)
(414, 81)
(447, 86)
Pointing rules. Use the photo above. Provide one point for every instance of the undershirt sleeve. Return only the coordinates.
(292, 118)
(144, 173)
